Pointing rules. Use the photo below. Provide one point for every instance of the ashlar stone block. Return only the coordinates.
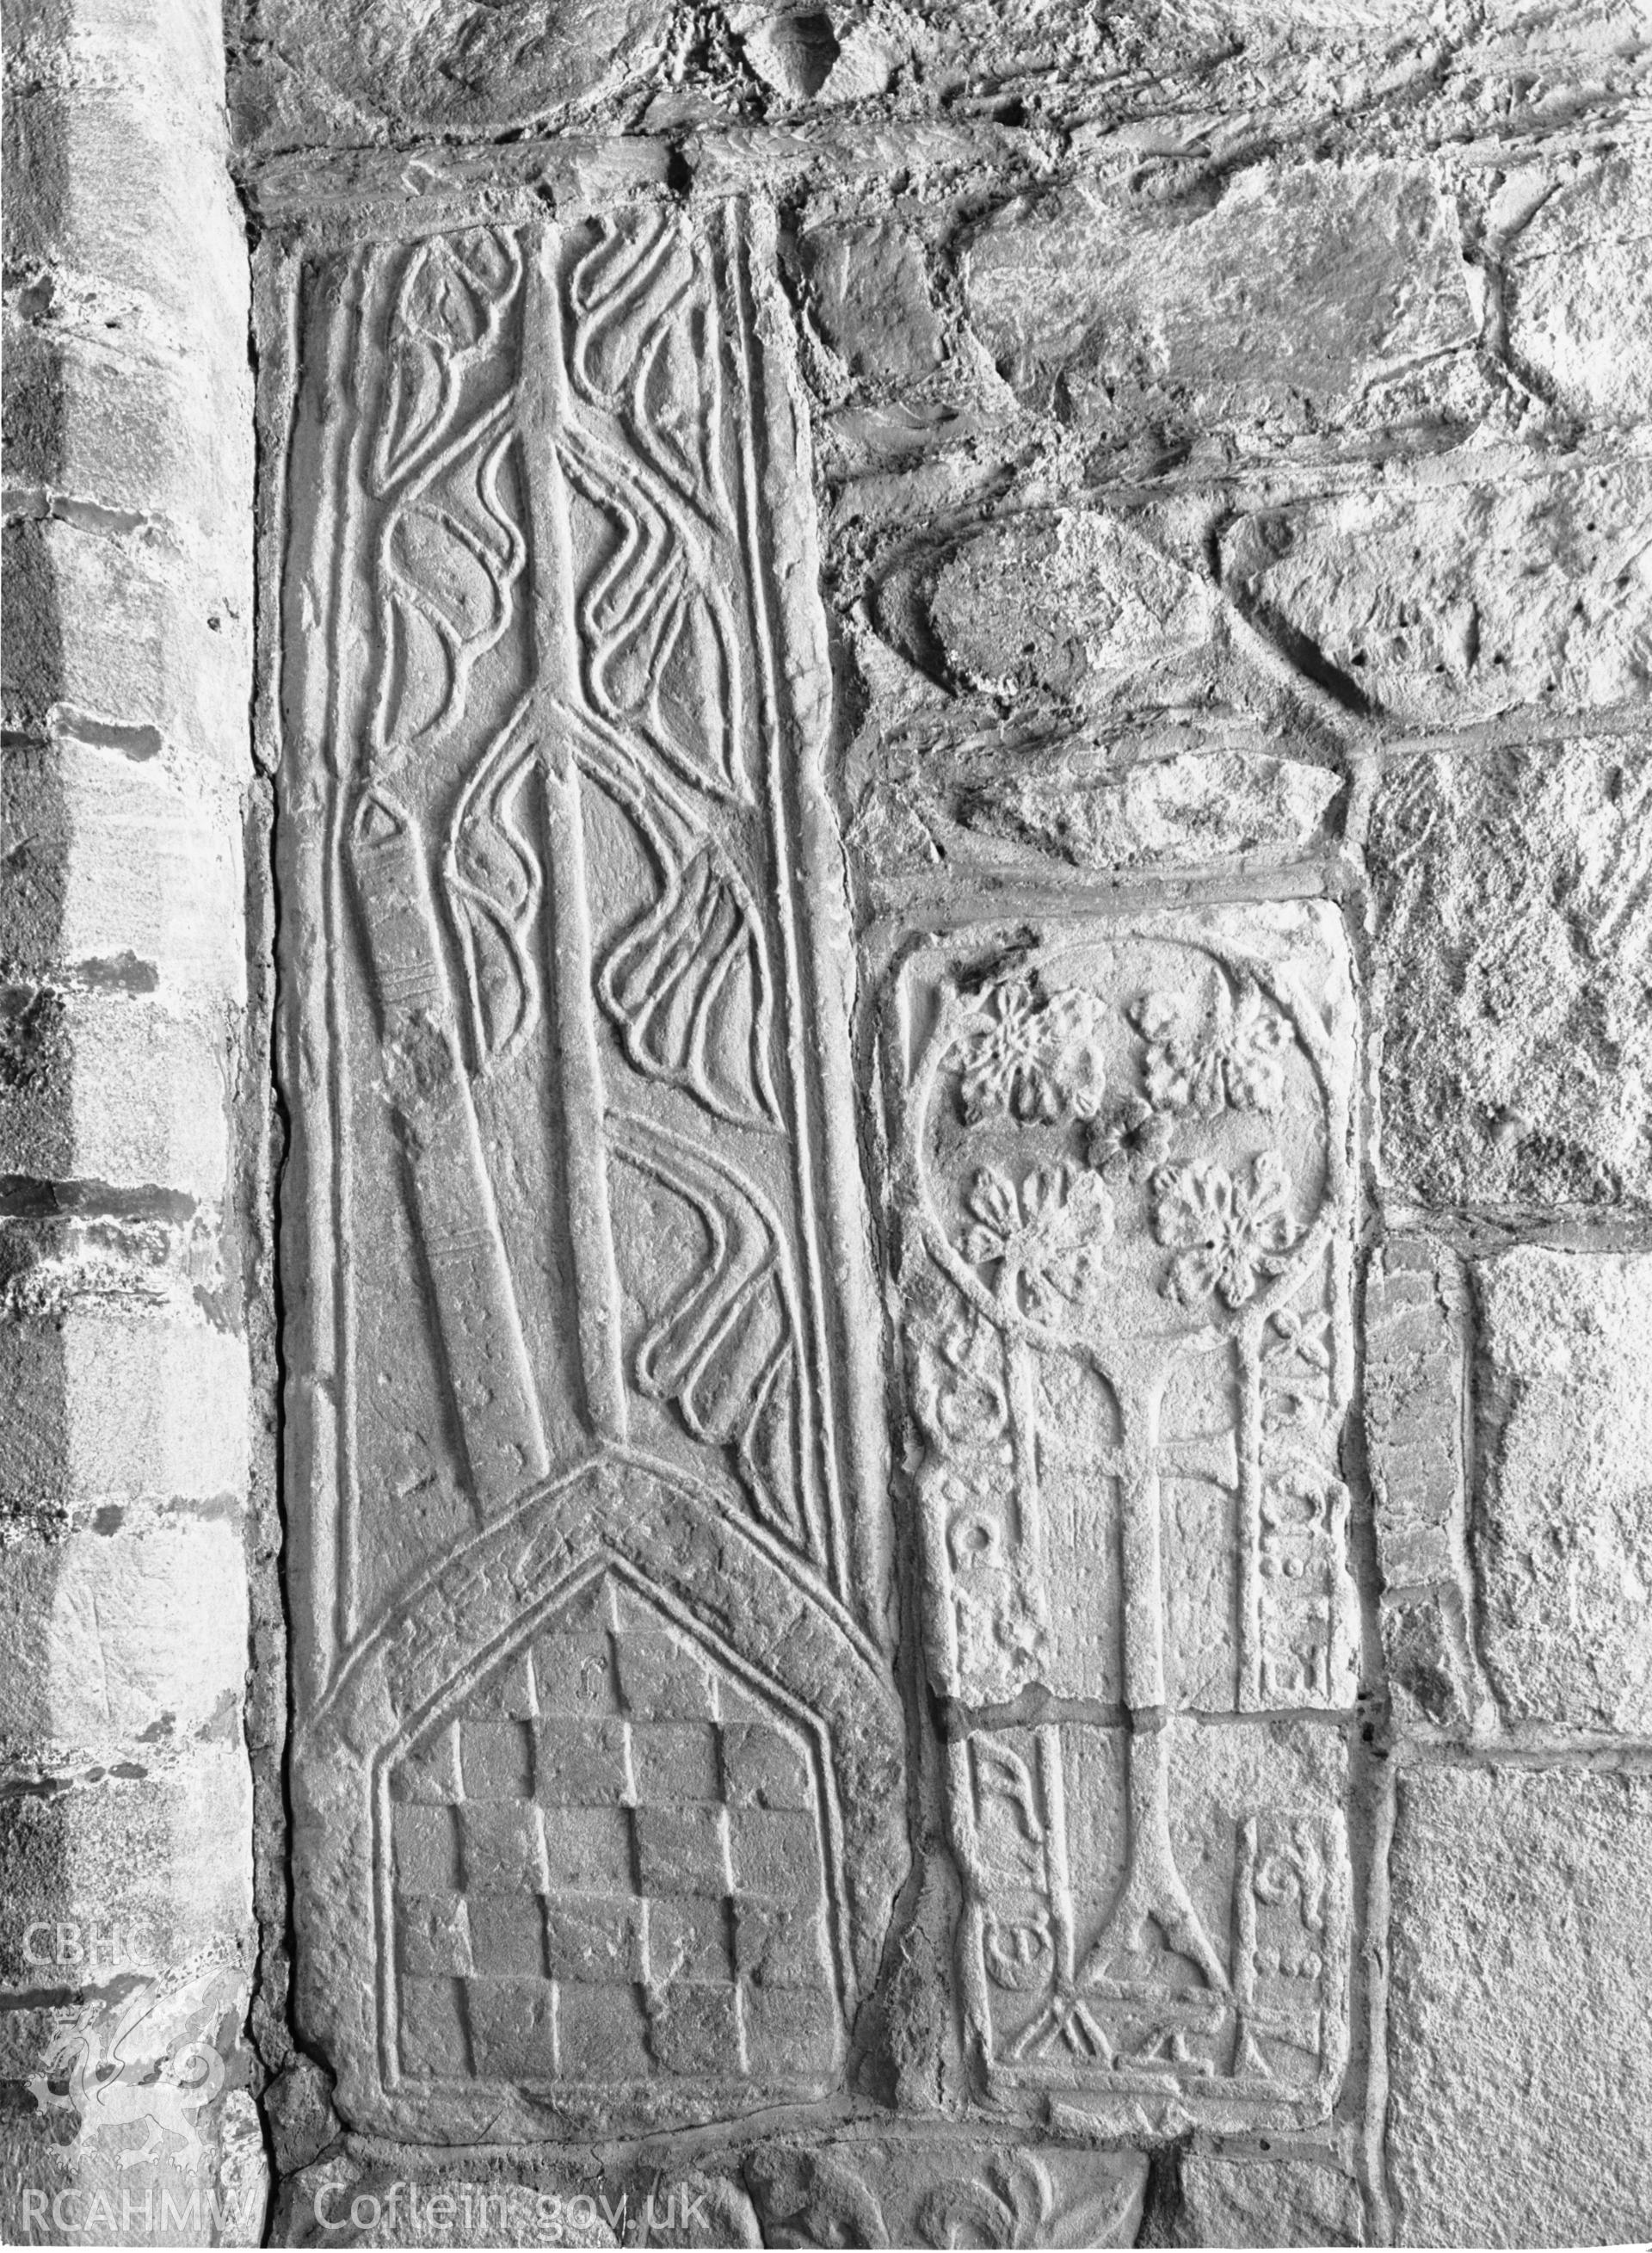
(597, 1765)
(1121, 1207)
(1562, 1528)
(1520, 2078)
(1268, 2201)
(1511, 930)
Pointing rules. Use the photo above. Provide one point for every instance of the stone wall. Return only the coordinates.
(935, 1140)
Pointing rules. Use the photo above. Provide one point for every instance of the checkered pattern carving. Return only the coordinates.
(606, 1867)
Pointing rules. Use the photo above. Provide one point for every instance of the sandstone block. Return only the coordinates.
(123, 445)
(1520, 2077)
(1183, 810)
(1072, 604)
(871, 297)
(1563, 1520)
(1512, 927)
(168, 2150)
(73, 150)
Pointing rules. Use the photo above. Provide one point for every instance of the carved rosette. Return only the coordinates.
(1125, 1220)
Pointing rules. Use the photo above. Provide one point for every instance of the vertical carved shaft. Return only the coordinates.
(1143, 1544)
(579, 1073)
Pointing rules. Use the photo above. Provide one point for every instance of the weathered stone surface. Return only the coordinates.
(158, 1851)
(1512, 925)
(112, 1087)
(353, 2197)
(1268, 2201)
(1186, 810)
(589, 1577)
(113, 1407)
(1576, 290)
(170, 2152)
(1416, 1394)
(1121, 1194)
(369, 70)
(96, 1658)
(110, 642)
(1075, 604)
(1562, 1519)
(123, 875)
(960, 2190)
(871, 298)
(1123, 1191)
(1299, 299)
(1520, 2076)
(1456, 603)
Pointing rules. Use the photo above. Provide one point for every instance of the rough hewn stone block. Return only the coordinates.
(1563, 1521)
(369, 70)
(1299, 300)
(1456, 603)
(1578, 289)
(1416, 1379)
(1520, 2076)
(1513, 920)
(1268, 2201)
(871, 298)
(1186, 810)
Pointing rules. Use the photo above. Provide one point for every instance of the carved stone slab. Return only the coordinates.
(598, 1766)
(1159, 1929)
(1123, 1227)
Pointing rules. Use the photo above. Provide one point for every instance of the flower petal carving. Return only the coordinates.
(1030, 1055)
(1229, 1235)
